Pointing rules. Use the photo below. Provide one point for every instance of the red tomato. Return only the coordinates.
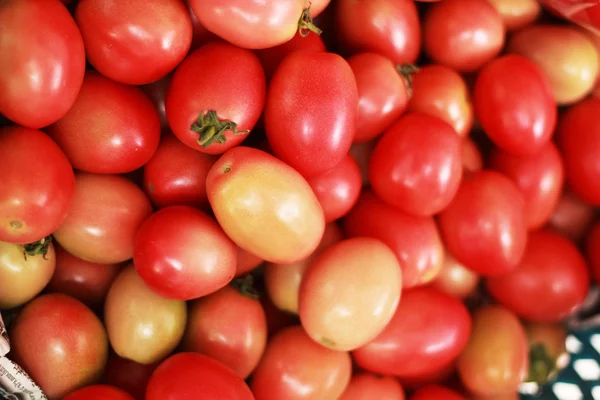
(442, 374)
(572, 217)
(382, 94)
(128, 375)
(121, 127)
(365, 386)
(472, 159)
(387, 27)
(434, 392)
(211, 106)
(176, 175)
(552, 269)
(455, 279)
(134, 43)
(60, 343)
(106, 213)
(30, 212)
(246, 262)
(229, 326)
(593, 251)
(428, 331)
(43, 62)
(517, 13)
(265, 206)
(99, 392)
(156, 92)
(200, 35)
(338, 189)
(185, 376)
(417, 165)
(440, 91)
(295, 367)
(415, 240)
(514, 104)
(311, 93)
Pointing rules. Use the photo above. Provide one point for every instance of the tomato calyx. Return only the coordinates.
(39, 247)
(542, 366)
(305, 24)
(211, 129)
(328, 342)
(245, 285)
(407, 71)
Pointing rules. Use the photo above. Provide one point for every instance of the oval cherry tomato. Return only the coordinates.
(593, 251)
(60, 343)
(30, 212)
(517, 13)
(435, 392)
(184, 376)
(382, 94)
(265, 206)
(90, 230)
(43, 62)
(121, 127)
(553, 269)
(311, 93)
(211, 106)
(99, 392)
(463, 34)
(142, 326)
(134, 43)
(411, 345)
(484, 226)
(496, 359)
(440, 91)
(128, 375)
(366, 386)
(415, 240)
(472, 159)
(572, 217)
(514, 104)
(455, 279)
(295, 367)
(387, 27)
(417, 165)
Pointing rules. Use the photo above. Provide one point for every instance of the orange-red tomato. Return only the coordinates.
(517, 13)
(99, 392)
(572, 216)
(365, 386)
(472, 159)
(455, 279)
(246, 262)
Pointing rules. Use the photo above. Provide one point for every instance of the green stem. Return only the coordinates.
(305, 24)
(245, 285)
(541, 364)
(39, 247)
(211, 129)
(407, 71)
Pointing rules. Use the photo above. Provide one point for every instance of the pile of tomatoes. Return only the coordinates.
(286, 200)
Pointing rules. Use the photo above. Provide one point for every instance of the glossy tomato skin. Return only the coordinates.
(112, 128)
(90, 231)
(429, 330)
(455, 279)
(415, 240)
(60, 343)
(182, 253)
(301, 107)
(128, 375)
(435, 392)
(29, 212)
(216, 77)
(514, 104)
(593, 251)
(517, 13)
(125, 42)
(43, 62)
(185, 376)
(572, 216)
(552, 269)
(382, 94)
(387, 27)
(265, 206)
(365, 386)
(294, 367)
(484, 225)
(417, 165)
(99, 392)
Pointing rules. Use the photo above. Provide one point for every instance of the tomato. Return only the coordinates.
(517, 13)
(428, 331)
(440, 91)
(578, 138)
(128, 375)
(311, 93)
(435, 392)
(415, 240)
(472, 159)
(514, 104)
(282, 281)
(440, 375)
(361, 152)
(593, 251)
(211, 106)
(553, 269)
(200, 35)
(60, 343)
(349, 293)
(134, 43)
(30, 212)
(295, 367)
(382, 94)
(366, 386)
(43, 62)
(572, 216)
(185, 376)
(265, 206)
(463, 34)
(156, 92)
(417, 165)
(540, 178)
(99, 392)
(23, 276)
(246, 262)
(106, 213)
(86, 281)
(229, 326)
(484, 225)
(142, 326)
(387, 27)
(547, 351)
(121, 126)
(455, 279)
(496, 359)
